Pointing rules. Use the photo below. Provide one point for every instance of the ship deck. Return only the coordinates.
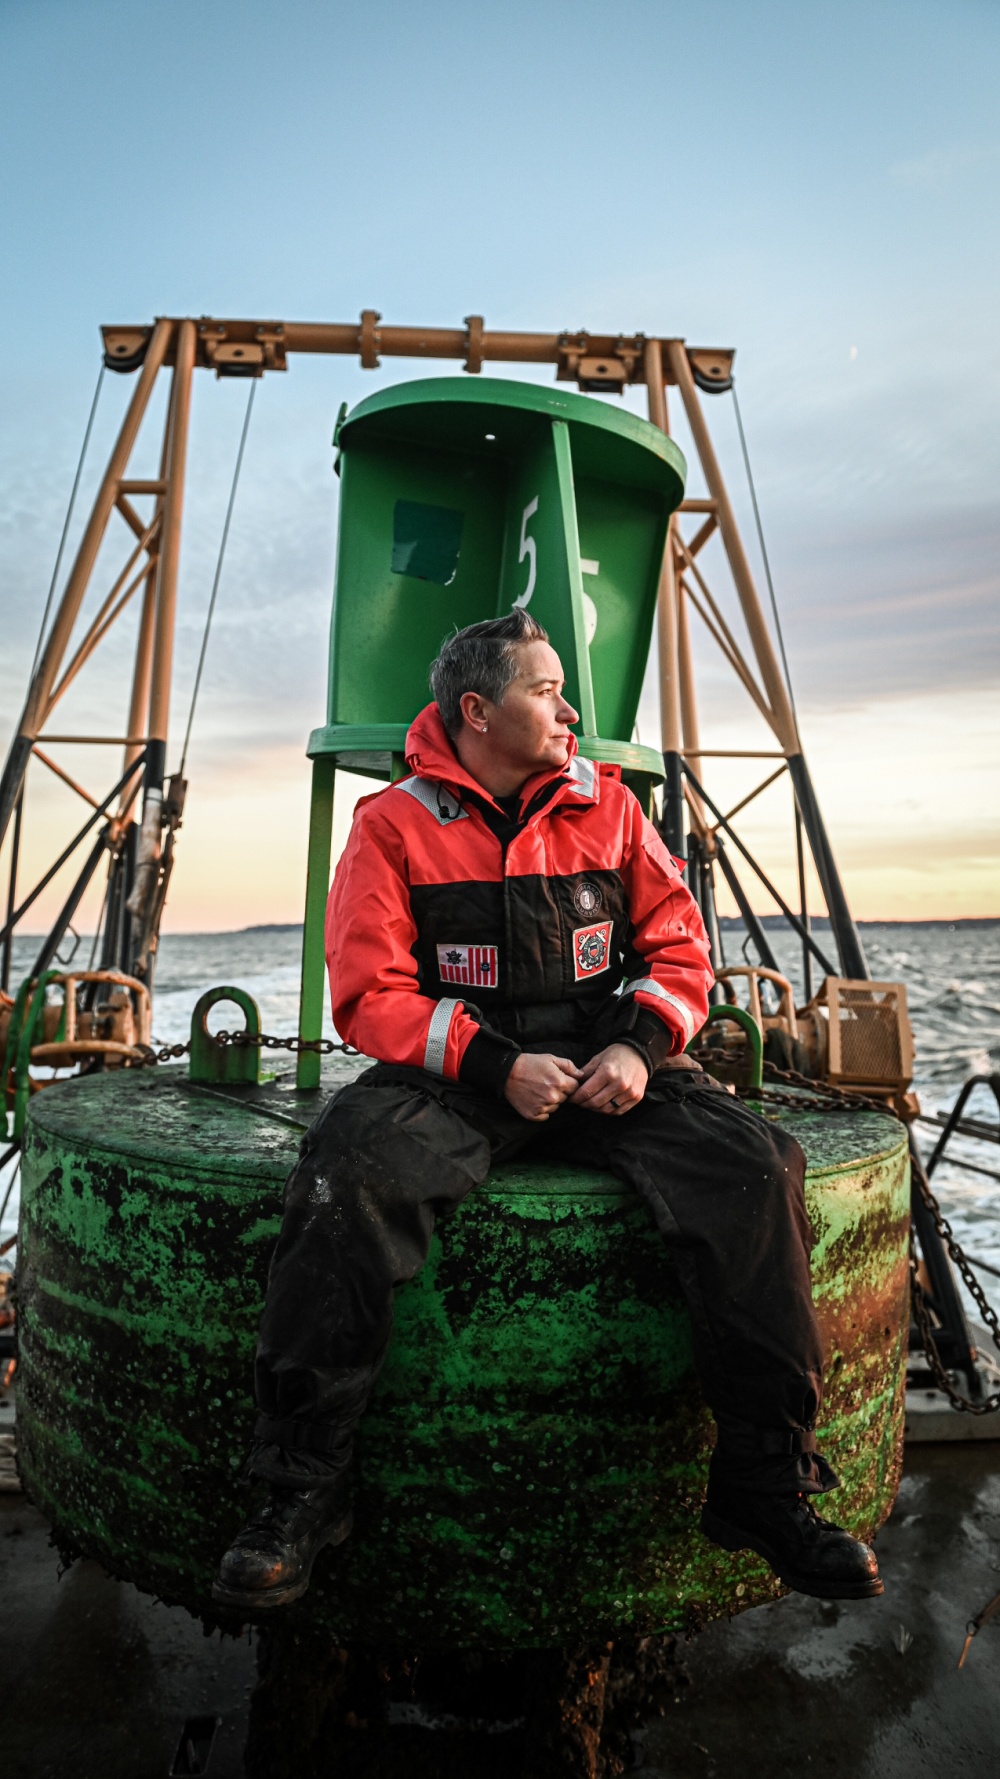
(101, 1681)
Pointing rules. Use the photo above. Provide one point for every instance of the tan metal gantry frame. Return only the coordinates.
(596, 363)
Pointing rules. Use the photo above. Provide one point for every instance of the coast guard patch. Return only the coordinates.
(475, 965)
(591, 950)
(587, 898)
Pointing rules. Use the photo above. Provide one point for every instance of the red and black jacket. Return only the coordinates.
(458, 931)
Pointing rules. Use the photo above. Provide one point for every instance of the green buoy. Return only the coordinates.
(531, 1467)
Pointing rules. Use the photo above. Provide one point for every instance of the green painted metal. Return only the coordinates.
(312, 999)
(546, 483)
(531, 1467)
(459, 501)
(369, 749)
(755, 1039)
(24, 1030)
(11, 1077)
(230, 1065)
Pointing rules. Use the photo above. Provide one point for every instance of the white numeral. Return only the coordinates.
(529, 549)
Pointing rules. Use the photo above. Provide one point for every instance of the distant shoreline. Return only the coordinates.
(729, 923)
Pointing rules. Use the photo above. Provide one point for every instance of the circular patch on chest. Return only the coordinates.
(587, 897)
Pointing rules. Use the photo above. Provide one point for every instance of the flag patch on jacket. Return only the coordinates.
(475, 965)
(591, 950)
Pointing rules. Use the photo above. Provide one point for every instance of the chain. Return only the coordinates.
(247, 1041)
(813, 1096)
(921, 1315)
(261, 1041)
(838, 1099)
(148, 1056)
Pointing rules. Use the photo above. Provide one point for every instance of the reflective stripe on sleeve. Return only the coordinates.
(650, 986)
(437, 1035)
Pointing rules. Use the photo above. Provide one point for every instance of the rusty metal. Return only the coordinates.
(828, 1097)
(976, 1624)
(70, 1033)
(60, 772)
(779, 713)
(240, 346)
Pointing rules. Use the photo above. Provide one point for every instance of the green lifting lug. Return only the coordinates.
(23, 1031)
(228, 1065)
(755, 1037)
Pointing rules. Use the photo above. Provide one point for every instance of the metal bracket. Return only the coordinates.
(473, 344)
(125, 347)
(755, 1040)
(231, 1065)
(368, 339)
(242, 349)
(711, 370)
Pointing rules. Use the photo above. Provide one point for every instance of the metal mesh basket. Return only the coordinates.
(869, 1033)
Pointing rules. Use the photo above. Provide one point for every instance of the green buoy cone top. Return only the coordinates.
(461, 499)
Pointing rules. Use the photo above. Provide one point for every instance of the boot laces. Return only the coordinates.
(276, 1516)
(812, 1522)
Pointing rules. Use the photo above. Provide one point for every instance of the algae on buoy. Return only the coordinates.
(530, 1468)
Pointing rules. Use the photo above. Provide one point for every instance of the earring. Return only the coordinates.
(485, 727)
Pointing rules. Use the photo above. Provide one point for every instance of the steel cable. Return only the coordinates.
(763, 551)
(66, 522)
(218, 574)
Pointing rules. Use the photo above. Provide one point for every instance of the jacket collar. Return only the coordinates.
(430, 754)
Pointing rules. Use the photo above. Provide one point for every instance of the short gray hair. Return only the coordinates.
(481, 658)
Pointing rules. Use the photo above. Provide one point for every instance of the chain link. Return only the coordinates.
(248, 1041)
(148, 1056)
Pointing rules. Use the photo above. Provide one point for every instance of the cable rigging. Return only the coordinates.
(763, 549)
(66, 521)
(218, 574)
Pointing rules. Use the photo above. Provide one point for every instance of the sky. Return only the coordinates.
(815, 186)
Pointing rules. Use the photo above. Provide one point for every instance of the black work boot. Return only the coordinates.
(807, 1553)
(270, 1561)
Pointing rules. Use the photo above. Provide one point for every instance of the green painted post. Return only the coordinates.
(313, 989)
(23, 1036)
(567, 502)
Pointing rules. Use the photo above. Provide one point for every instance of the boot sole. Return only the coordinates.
(265, 1599)
(730, 1537)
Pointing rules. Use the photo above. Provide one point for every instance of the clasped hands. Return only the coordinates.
(612, 1082)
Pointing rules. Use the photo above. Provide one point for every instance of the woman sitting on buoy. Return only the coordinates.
(507, 934)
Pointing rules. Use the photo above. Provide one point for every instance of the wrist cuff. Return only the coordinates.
(641, 1050)
(647, 1033)
(487, 1061)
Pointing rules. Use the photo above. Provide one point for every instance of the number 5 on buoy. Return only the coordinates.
(530, 549)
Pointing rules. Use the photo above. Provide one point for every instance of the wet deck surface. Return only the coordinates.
(809, 1686)
(98, 1681)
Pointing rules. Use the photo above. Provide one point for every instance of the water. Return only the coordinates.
(952, 976)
